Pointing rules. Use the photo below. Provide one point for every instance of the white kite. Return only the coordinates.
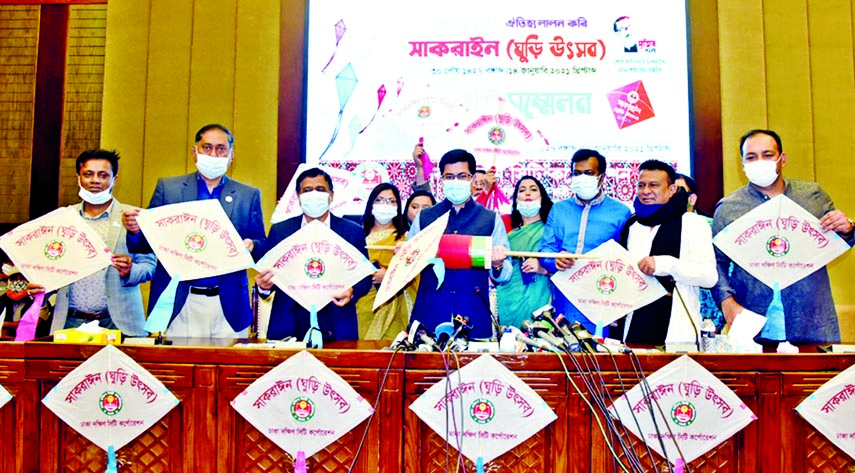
(483, 410)
(194, 239)
(693, 410)
(608, 287)
(315, 264)
(110, 399)
(56, 249)
(779, 242)
(830, 410)
(302, 406)
(410, 259)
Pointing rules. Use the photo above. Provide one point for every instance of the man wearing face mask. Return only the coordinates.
(673, 245)
(464, 291)
(216, 306)
(581, 223)
(337, 321)
(110, 296)
(810, 315)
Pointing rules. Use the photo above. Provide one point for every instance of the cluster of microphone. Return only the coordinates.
(544, 333)
(448, 336)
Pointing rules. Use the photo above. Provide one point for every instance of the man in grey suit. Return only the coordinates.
(110, 296)
(216, 306)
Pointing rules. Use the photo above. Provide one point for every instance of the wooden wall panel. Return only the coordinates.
(19, 27)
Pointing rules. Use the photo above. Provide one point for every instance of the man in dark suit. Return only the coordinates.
(216, 306)
(337, 321)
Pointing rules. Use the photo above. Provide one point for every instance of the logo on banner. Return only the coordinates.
(683, 413)
(424, 111)
(302, 409)
(777, 246)
(195, 242)
(54, 250)
(496, 135)
(607, 284)
(110, 403)
(482, 411)
(315, 268)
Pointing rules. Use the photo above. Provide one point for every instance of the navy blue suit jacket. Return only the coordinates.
(242, 204)
(287, 318)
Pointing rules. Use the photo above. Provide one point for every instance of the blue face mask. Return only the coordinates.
(457, 191)
(645, 210)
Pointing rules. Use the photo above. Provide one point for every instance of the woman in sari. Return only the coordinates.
(528, 289)
(384, 226)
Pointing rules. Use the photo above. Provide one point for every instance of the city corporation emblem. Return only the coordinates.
(315, 268)
(482, 411)
(683, 413)
(54, 250)
(110, 403)
(496, 136)
(411, 257)
(302, 409)
(606, 284)
(195, 242)
(777, 246)
(424, 111)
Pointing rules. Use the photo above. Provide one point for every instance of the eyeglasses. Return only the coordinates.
(463, 176)
(385, 200)
(220, 151)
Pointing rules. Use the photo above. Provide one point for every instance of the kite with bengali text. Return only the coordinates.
(56, 249)
(110, 399)
(694, 411)
(630, 104)
(302, 406)
(483, 410)
(829, 410)
(608, 287)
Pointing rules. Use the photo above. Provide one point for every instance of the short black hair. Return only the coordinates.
(614, 26)
(417, 193)
(758, 131)
(215, 126)
(457, 156)
(690, 183)
(87, 155)
(313, 172)
(585, 154)
(545, 203)
(656, 165)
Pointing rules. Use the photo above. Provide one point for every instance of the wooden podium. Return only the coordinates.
(204, 434)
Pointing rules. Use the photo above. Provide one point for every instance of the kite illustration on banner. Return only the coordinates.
(609, 287)
(630, 104)
(110, 399)
(694, 411)
(56, 249)
(829, 410)
(302, 406)
(381, 94)
(340, 29)
(345, 83)
(492, 409)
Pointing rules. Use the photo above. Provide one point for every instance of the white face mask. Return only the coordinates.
(584, 186)
(384, 213)
(212, 167)
(762, 172)
(95, 198)
(528, 209)
(315, 203)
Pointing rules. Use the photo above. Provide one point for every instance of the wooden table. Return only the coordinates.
(204, 434)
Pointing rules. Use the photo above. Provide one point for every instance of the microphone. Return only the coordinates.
(427, 344)
(399, 341)
(496, 326)
(538, 343)
(444, 334)
(412, 328)
(542, 333)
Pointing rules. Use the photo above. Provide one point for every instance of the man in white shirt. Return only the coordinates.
(673, 245)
